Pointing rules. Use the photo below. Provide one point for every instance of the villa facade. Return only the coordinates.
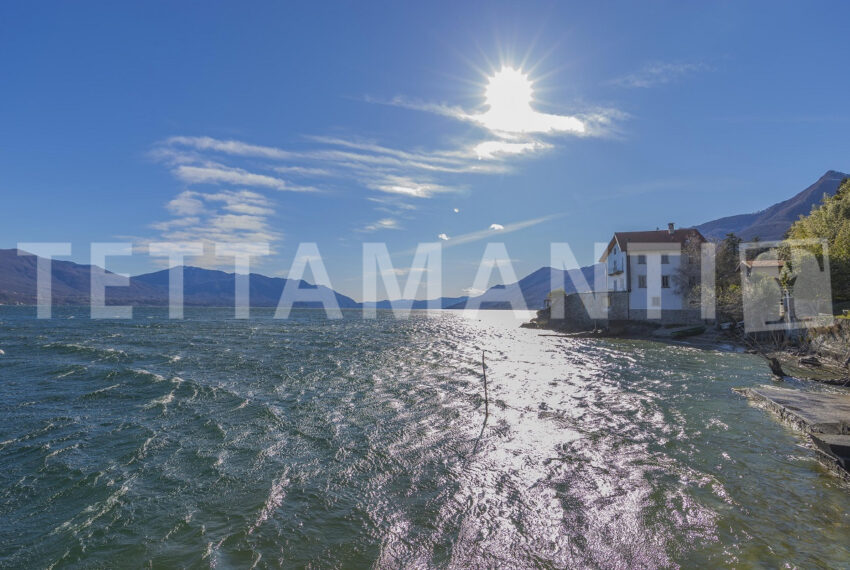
(643, 265)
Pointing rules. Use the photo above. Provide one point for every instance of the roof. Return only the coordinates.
(660, 237)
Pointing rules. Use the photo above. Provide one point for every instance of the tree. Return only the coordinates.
(830, 221)
(686, 279)
(726, 288)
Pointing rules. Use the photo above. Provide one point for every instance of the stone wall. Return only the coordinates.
(586, 311)
(578, 311)
(669, 316)
(618, 306)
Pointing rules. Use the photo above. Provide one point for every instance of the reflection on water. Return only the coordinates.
(212, 441)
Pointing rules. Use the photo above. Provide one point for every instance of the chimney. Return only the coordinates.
(670, 227)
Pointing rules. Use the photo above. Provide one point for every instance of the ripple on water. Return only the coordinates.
(358, 443)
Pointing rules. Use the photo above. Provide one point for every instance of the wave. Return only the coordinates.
(101, 353)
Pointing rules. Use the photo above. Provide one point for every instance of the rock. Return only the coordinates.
(775, 367)
(687, 331)
(810, 361)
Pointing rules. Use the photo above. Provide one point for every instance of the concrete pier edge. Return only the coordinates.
(830, 440)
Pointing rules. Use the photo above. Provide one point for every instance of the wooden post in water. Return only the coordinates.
(486, 397)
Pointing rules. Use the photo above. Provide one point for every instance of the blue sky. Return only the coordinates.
(341, 123)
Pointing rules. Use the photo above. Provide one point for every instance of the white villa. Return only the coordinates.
(643, 264)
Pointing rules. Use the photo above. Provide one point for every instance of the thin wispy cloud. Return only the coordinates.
(491, 149)
(225, 175)
(303, 171)
(522, 119)
(493, 262)
(186, 204)
(393, 206)
(382, 224)
(415, 174)
(243, 215)
(402, 271)
(658, 73)
(407, 186)
(218, 217)
(394, 179)
(231, 147)
(489, 233)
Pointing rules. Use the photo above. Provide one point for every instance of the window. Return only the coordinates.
(641, 260)
(665, 281)
(656, 301)
(641, 281)
(665, 259)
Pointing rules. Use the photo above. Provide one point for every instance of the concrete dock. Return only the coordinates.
(824, 417)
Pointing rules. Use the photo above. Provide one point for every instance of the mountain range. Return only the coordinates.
(205, 287)
(533, 288)
(772, 223)
(201, 287)
(213, 288)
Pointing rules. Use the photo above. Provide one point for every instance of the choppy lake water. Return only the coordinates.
(310, 442)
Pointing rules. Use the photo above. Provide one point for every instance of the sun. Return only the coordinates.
(509, 90)
(508, 95)
(509, 115)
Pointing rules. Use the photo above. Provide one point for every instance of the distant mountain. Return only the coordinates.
(442, 302)
(533, 287)
(772, 223)
(207, 287)
(202, 287)
(71, 282)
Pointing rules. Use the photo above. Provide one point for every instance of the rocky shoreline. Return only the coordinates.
(821, 355)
